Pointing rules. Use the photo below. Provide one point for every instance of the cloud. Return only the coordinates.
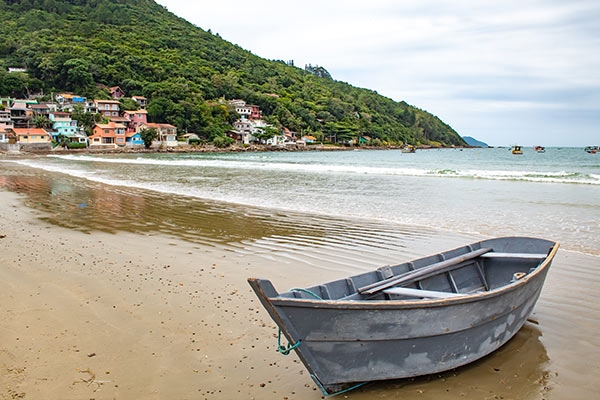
(472, 63)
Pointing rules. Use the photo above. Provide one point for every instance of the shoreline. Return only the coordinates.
(209, 148)
(134, 313)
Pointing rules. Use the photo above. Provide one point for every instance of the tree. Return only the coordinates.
(265, 133)
(79, 79)
(41, 121)
(85, 120)
(148, 136)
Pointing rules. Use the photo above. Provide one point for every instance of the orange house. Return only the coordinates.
(108, 135)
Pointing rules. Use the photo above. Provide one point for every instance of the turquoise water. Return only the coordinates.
(555, 194)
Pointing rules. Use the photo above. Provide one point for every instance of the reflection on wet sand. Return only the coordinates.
(516, 370)
(89, 206)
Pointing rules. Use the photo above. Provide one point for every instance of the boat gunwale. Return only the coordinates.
(412, 303)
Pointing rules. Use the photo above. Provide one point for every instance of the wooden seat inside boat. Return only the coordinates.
(419, 293)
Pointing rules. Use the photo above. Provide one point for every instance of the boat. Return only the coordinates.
(420, 317)
(592, 149)
(517, 150)
(409, 148)
(539, 149)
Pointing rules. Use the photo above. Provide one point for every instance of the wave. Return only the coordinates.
(568, 177)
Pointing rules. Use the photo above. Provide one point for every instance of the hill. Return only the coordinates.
(86, 46)
(474, 142)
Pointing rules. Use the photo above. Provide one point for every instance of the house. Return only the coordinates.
(141, 100)
(120, 120)
(116, 92)
(133, 139)
(68, 99)
(108, 108)
(20, 114)
(255, 112)
(5, 121)
(32, 136)
(308, 139)
(108, 135)
(43, 109)
(243, 125)
(239, 136)
(62, 124)
(246, 111)
(167, 133)
(135, 118)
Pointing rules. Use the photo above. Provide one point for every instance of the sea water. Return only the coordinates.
(491, 192)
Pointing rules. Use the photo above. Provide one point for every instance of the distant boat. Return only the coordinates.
(592, 149)
(517, 150)
(540, 149)
(409, 148)
(421, 317)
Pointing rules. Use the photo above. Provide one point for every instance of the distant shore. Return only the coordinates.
(209, 148)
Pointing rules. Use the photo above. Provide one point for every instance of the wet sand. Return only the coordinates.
(112, 294)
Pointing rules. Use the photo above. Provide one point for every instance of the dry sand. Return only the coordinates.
(146, 316)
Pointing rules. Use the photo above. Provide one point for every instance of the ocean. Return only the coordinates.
(487, 192)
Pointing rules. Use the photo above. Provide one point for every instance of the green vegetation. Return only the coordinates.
(86, 46)
(148, 136)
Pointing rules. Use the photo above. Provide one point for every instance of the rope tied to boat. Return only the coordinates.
(286, 350)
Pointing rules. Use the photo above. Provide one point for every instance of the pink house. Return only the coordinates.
(135, 118)
(116, 92)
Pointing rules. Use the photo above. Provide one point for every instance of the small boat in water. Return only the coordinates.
(592, 149)
(517, 150)
(409, 148)
(421, 317)
(539, 149)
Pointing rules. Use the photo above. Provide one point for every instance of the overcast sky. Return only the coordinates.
(511, 72)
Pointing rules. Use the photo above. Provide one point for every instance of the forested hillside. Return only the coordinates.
(85, 46)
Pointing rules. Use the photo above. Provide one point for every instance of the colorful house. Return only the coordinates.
(167, 133)
(108, 135)
(135, 118)
(63, 125)
(133, 139)
(116, 92)
(108, 108)
(32, 136)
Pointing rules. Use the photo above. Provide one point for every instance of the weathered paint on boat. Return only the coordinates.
(351, 331)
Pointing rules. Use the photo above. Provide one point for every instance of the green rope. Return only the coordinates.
(313, 294)
(327, 394)
(285, 350)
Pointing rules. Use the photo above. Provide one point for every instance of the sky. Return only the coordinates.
(521, 72)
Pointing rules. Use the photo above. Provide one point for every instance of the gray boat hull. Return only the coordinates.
(377, 336)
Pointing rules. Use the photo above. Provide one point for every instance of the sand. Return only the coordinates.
(123, 316)
(150, 316)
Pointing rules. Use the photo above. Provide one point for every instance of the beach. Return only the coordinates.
(152, 302)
